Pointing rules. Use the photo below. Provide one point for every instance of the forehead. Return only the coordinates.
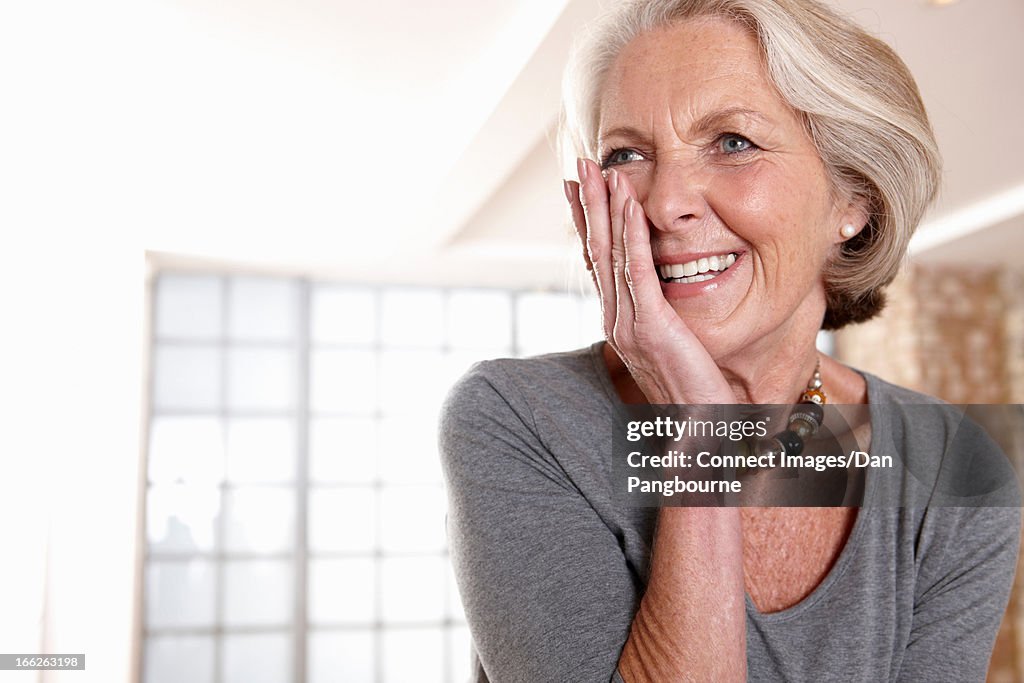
(686, 70)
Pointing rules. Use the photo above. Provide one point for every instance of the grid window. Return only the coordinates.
(295, 504)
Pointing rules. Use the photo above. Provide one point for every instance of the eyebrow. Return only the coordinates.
(710, 122)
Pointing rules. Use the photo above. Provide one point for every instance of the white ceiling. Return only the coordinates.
(400, 140)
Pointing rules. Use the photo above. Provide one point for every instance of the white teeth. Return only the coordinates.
(694, 271)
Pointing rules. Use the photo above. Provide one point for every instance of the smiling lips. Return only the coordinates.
(699, 270)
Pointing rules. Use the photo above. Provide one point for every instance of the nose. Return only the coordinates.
(675, 192)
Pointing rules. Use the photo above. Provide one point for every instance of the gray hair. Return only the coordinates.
(857, 98)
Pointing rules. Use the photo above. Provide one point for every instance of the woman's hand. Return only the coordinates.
(691, 622)
(662, 354)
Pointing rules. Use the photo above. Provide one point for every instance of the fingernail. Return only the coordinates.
(581, 168)
(629, 207)
(568, 191)
(613, 180)
(636, 211)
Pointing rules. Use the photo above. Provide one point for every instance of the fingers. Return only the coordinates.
(624, 313)
(579, 220)
(593, 200)
(641, 273)
(659, 350)
(616, 243)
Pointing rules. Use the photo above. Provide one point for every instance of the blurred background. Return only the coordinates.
(249, 245)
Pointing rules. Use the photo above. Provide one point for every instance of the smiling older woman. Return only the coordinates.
(760, 167)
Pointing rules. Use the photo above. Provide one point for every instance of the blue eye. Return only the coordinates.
(731, 143)
(621, 156)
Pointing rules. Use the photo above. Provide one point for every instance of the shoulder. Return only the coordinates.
(881, 391)
(908, 414)
(953, 449)
(513, 418)
(525, 384)
(526, 394)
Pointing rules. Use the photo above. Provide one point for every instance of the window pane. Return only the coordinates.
(459, 645)
(412, 588)
(257, 658)
(261, 450)
(411, 381)
(181, 518)
(343, 381)
(343, 656)
(480, 320)
(546, 323)
(412, 518)
(374, 396)
(342, 591)
(173, 659)
(180, 593)
(408, 450)
(258, 592)
(186, 378)
(261, 379)
(412, 318)
(186, 449)
(259, 519)
(262, 309)
(343, 450)
(413, 654)
(342, 519)
(343, 315)
(188, 307)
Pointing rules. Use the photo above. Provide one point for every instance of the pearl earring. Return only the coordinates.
(848, 231)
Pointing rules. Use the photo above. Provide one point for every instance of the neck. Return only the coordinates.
(777, 374)
(776, 367)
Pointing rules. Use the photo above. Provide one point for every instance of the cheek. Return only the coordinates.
(766, 206)
(750, 202)
(744, 192)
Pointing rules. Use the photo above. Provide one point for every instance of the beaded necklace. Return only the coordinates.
(804, 422)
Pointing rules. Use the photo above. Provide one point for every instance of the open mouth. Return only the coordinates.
(699, 270)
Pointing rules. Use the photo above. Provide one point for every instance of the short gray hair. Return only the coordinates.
(857, 98)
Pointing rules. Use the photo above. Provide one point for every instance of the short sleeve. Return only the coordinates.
(968, 559)
(546, 587)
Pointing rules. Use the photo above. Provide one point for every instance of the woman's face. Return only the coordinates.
(724, 168)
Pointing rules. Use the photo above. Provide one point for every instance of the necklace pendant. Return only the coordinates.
(813, 396)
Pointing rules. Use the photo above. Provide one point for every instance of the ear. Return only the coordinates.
(851, 220)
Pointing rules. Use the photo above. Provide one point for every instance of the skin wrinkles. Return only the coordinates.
(671, 99)
(670, 95)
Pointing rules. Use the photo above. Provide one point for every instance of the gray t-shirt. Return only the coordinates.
(551, 566)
